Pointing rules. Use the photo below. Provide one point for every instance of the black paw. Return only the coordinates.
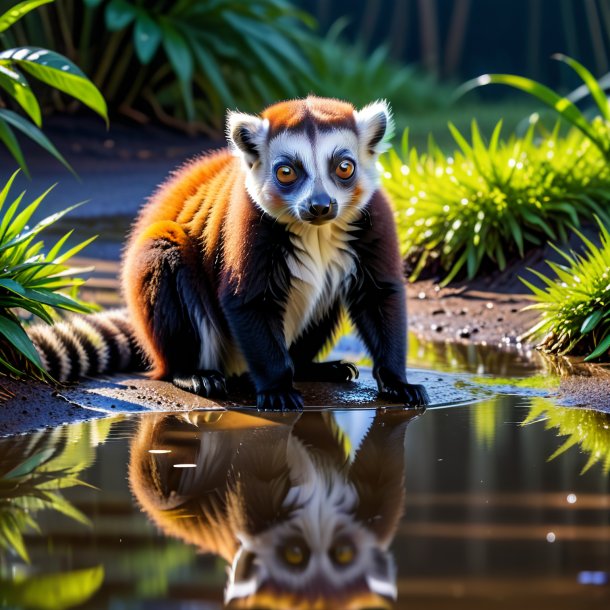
(209, 384)
(338, 371)
(409, 394)
(279, 400)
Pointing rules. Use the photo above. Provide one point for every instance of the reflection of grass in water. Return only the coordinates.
(460, 357)
(543, 381)
(152, 572)
(486, 415)
(588, 429)
(34, 469)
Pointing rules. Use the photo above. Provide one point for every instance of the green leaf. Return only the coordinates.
(591, 321)
(35, 134)
(30, 464)
(146, 37)
(209, 65)
(53, 591)
(590, 81)
(18, 88)
(560, 104)
(18, 11)
(10, 141)
(11, 286)
(119, 14)
(600, 350)
(181, 60)
(45, 222)
(58, 72)
(18, 338)
(55, 299)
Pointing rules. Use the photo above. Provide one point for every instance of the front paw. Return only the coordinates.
(411, 395)
(209, 384)
(279, 400)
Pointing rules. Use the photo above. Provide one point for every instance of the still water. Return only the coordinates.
(501, 504)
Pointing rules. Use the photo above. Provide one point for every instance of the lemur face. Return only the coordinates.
(311, 161)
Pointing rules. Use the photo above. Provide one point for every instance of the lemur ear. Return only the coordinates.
(246, 134)
(375, 126)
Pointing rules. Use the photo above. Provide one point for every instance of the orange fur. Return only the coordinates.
(325, 112)
(190, 205)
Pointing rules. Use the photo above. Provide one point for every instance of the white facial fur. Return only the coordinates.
(313, 151)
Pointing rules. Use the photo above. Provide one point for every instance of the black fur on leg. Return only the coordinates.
(209, 384)
(312, 342)
(338, 371)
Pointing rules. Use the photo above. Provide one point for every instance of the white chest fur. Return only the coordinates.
(319, 266)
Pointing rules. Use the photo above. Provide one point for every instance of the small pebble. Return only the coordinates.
(421, 295)
(438, 312)
(464, 333)
(500, 319)
(437, 327)
(463, 311)
(489, 305)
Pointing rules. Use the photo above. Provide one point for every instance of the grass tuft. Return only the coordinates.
(489, 202)
(32, 282)
(574, 302)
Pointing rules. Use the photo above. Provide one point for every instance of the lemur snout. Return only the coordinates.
(319, 209)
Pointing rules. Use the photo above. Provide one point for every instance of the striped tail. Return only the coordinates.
(87, 345)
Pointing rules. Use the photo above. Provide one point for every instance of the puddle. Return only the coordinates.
(492, 505)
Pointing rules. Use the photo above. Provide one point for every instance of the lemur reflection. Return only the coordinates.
(303, 519)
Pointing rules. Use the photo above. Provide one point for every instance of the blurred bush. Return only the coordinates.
(184, 62)
(47, 67)
(347, 71)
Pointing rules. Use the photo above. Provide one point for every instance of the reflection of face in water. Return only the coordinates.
(303, 518)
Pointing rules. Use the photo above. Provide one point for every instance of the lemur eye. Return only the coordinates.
(345, 169)
(295, 553)
(343, 553)
(286, 174)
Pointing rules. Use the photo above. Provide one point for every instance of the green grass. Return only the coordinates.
(489, 202)
(31, 281)
(574, 302)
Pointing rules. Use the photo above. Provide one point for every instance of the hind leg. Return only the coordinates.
(312, 342)
(172, 310)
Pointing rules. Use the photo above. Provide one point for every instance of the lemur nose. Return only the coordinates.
(321, 206)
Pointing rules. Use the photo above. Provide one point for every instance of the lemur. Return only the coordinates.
(303, 519)
(243, 261)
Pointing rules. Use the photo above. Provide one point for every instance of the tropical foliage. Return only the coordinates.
(45, 66)
(183, 63)
(347, 71)
(180, 61)
(489, 202)
(31, 281)
(574, 302)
